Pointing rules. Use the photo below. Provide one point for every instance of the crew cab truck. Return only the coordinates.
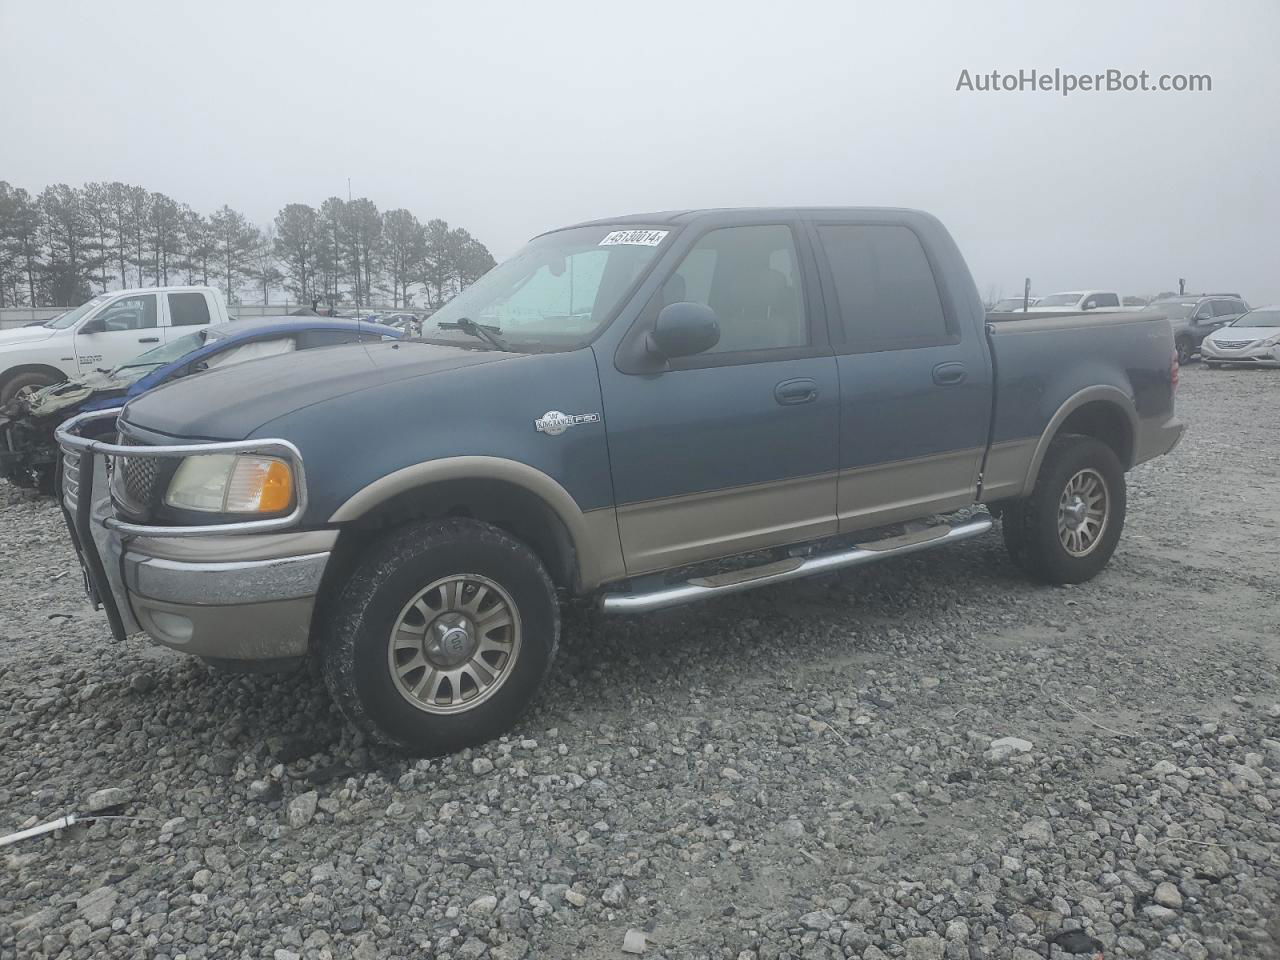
(1079, 301)
(641, 412)
(102, 334)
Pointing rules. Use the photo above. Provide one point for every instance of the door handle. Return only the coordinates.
(800, 390)
(148, 339)
(949, 374)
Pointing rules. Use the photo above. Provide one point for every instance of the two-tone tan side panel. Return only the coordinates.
(1007, 466)
(907, 489)
(671, 532)
(594, 532)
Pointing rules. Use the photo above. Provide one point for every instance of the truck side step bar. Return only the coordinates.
(780, 571)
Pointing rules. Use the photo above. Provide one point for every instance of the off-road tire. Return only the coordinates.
(10, 388)
(1030, 526)
(353, 647)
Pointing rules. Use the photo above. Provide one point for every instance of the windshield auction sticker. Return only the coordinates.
(645, 238)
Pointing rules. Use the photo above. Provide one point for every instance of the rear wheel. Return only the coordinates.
(1067, 530)
(441, 637)
(1185, 349)
(25, 384)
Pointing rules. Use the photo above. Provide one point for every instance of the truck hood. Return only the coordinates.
(25, 335)
(233, 402)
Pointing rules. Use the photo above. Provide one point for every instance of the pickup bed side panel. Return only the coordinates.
(1047, 367)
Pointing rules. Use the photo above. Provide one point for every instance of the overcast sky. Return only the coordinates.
(510, 118)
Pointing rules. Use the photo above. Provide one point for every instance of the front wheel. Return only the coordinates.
(1067, 530)
(24, 385)
(442, 636)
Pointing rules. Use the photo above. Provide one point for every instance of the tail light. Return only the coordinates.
(1174, 367)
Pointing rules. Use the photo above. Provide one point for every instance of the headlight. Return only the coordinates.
(1272, 341)
(232, 483)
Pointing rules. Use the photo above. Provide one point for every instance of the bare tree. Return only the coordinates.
(137, 214)
(236, 239)
(405, 245)
(69, 240)
(297, 236)
(164, 226)
(263, 260)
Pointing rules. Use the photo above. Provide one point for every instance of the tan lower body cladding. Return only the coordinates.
(660, 534)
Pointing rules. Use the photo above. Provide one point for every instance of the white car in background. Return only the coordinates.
(1251, 340)
(1080, 301)
(102, 334)
(1011, 304)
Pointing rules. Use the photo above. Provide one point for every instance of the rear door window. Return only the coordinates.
(188, 310)
(888, 295)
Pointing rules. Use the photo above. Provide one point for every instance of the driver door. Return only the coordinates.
(118, 332)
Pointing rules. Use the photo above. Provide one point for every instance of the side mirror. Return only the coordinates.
(96, 325)
(683, 329)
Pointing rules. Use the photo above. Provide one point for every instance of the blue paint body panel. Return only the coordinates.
(359, 413)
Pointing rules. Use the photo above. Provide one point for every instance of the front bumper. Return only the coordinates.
(226, 596)
(1254, 354)
(250, 608)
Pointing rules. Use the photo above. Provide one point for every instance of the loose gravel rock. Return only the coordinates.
(805, 771)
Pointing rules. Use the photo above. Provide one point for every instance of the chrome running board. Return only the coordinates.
(780, 571)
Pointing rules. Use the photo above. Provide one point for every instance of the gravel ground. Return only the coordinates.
(929, 759)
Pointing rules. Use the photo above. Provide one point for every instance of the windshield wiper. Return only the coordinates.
(482, 331)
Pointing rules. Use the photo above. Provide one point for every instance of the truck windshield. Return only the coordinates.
(71, 317)
(1173, 309)
(556, 292)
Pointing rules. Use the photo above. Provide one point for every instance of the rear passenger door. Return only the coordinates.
(915, 383)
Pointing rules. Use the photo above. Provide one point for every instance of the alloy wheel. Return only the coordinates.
(454, 644)
(1083, 511)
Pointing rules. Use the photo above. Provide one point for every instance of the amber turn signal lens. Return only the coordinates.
(277, 488)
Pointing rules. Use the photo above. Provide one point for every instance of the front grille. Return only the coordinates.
(1231, 344)
(138, 482)
(139, 476)
(71, 478)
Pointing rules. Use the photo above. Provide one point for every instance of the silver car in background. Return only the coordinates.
(1251, 340)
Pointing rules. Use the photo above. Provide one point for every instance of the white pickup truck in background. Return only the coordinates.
(1080, 301)
(108, 330)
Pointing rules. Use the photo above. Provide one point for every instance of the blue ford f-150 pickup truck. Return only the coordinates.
(643, 411)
